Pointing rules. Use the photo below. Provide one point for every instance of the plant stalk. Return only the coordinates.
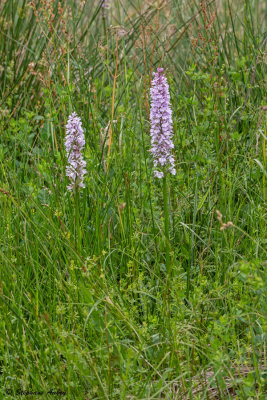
(166, 222)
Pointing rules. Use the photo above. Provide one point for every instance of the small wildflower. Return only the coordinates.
(57, 213)
(72, 265)
(67, 235)
(161, 125)
(104, 5)
(74, 143)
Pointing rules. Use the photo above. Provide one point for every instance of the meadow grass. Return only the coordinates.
(89, 308)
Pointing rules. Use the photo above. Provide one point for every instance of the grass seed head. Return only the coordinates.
(161, 130)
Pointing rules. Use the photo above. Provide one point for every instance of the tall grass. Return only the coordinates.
(94, 314)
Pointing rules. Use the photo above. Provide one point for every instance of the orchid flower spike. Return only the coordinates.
(74, 143)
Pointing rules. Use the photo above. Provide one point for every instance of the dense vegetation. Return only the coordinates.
(88, 308)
